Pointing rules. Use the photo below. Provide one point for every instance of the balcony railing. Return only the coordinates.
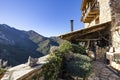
(90, 13)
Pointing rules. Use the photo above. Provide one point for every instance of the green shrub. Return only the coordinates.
(79, 49)
(51, 69)
(67, 46)
(68, 58)
(80, 66)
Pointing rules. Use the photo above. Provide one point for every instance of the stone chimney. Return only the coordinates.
(72, 27)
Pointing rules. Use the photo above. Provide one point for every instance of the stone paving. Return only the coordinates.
(101, 72)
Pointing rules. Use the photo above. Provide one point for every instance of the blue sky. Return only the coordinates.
(47, 17)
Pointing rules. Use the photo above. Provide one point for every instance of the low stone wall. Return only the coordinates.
(32, 75)
(113, 62)
(25, 72)
(115, 65)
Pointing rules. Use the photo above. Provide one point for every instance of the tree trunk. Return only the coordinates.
(85, 78)
(76, 78)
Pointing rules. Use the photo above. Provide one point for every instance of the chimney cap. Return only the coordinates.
(71, 20)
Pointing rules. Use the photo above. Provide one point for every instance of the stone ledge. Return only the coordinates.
(24, 71)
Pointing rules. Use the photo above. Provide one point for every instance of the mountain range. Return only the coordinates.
(17, 45)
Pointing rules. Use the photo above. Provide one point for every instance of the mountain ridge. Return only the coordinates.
(17, 45)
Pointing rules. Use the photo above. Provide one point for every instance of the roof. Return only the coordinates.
(80, 34)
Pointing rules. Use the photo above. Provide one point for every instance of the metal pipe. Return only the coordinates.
(72, 27)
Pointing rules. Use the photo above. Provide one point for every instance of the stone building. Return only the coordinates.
(101, 35)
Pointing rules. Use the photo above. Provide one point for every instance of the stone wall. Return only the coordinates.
(115, 34)
(90, 24)
(115, 29)
(105, 11)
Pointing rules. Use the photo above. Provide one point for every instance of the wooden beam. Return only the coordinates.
(94, 12)
(91, 16)
(87, 39)
(81, 33)
(88, 44)
(84, 32)
(83, 4)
